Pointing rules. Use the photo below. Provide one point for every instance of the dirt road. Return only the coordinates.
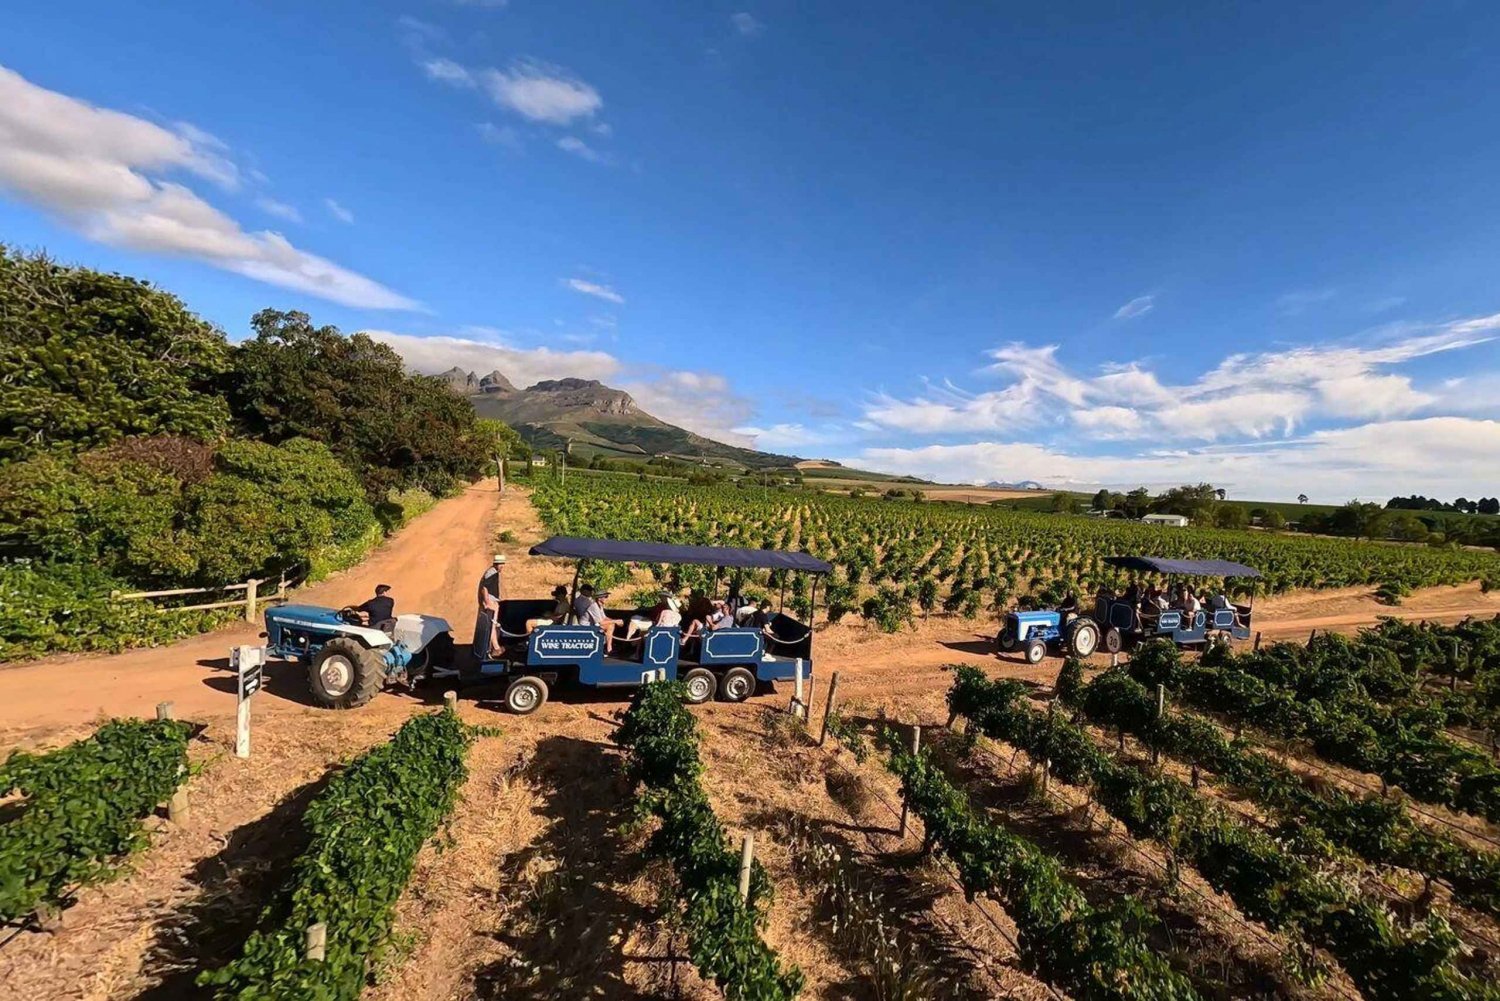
(433, 564)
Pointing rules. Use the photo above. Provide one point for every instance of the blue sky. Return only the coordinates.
(1083, 244)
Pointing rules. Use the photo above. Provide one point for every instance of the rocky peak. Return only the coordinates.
(496, 382)
(590, 393)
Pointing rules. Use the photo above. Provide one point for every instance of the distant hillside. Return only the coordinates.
(594, 419)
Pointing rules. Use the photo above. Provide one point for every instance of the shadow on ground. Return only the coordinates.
(234, 885)
(567, 913)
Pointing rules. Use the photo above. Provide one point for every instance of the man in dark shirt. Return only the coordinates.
(381, 608)
(486, 624)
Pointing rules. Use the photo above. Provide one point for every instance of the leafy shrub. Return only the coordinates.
(89, 357)
(64, 608)
(1391, 592)
(82, 808)
(365, 829)
(888, 608)
(660, 738)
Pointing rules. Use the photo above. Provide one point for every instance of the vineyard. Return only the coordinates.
(896, 557)
(1304, 822)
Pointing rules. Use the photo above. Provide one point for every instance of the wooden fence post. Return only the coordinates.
(450, 701)
(1161, 712)
(833, 688)
(1256, 648)
(316, 945)
(252, 586)
(165, 710)
(500, 465)
(916, 745)
(747, 858)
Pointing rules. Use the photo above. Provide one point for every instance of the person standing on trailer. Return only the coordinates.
(487, 624)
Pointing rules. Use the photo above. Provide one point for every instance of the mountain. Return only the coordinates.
(1023, 485)
(590, 418)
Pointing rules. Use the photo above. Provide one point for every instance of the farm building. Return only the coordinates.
(1172, 520)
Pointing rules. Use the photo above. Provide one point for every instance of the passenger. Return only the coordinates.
(718, 618)
(663, 613)
(594, 615)
(581, 602)
(761, 618)
(559, 611)
(1190, 606)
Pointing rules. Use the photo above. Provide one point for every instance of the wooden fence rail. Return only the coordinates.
(251, 601)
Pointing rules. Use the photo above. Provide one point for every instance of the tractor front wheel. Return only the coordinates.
(344, 674)
(1035, 650)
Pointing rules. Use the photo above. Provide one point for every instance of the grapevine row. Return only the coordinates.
(365, 830)
(660, 738)
(1267, 883)
(1378, 829)
(81, 808)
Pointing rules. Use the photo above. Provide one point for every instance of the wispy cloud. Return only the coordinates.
(1244, 396)
(338, 211)
(1139, 306)
(280, 210)
(579, 148)
(1292, 303)
(745, 23)
(104, 173)
(542, 92)
(596, 290)
(447, 71)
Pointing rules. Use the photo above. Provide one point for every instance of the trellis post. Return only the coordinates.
(833, 688)
(747, 859)
(916, 745)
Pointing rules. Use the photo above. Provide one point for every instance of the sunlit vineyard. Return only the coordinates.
(965, 558)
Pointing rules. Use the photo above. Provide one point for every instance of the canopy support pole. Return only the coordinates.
(812, 608)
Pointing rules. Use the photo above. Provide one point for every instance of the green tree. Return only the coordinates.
(295, 380)
(1361, 520)
(87, 358)
(1273, 519)
(1137, 503)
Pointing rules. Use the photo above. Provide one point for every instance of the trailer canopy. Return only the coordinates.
(616, 551)
(1186, 568)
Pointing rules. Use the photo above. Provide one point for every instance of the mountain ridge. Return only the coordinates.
(588, 418)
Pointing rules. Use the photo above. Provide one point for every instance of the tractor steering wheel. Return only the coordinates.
(350, 615)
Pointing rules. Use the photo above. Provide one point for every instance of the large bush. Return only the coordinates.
(355, 395)
(87, 357)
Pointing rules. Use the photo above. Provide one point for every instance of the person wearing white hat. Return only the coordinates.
(487, 623)
(666, 613)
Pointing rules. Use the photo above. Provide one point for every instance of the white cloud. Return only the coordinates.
(579, 148)
(499, 135)
(104, 174)
(790, 437)
(1244, 396)
(542, 92)
(746, 24)
(449, 72)
(1439, 456)
(596, 290)
(280, 210)
(338, 211)
(1293, 303)
(1138, 306)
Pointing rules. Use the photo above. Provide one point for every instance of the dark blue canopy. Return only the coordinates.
(1188, 568)
(662, 552)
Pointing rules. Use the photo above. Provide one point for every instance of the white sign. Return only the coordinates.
(248, 663)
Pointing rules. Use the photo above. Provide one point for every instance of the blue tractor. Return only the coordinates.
(1035, 632)
(349, 662)
(730, 663)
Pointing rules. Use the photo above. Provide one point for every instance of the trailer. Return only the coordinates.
(730, 663)
(1122, 622)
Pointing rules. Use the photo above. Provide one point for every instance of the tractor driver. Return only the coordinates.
(379, 609)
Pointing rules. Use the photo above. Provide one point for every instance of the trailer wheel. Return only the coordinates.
(700, 684)
(525, 696)
(1084, 639)
(344, 674)
(737, 686)
(1113, 641)
(1035, 650)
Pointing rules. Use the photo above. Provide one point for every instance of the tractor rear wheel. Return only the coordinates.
(1083, 639)
(1035, 650)
(737, 686)
(345, 674)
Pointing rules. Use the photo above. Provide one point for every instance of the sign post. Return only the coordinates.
(249, 664)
